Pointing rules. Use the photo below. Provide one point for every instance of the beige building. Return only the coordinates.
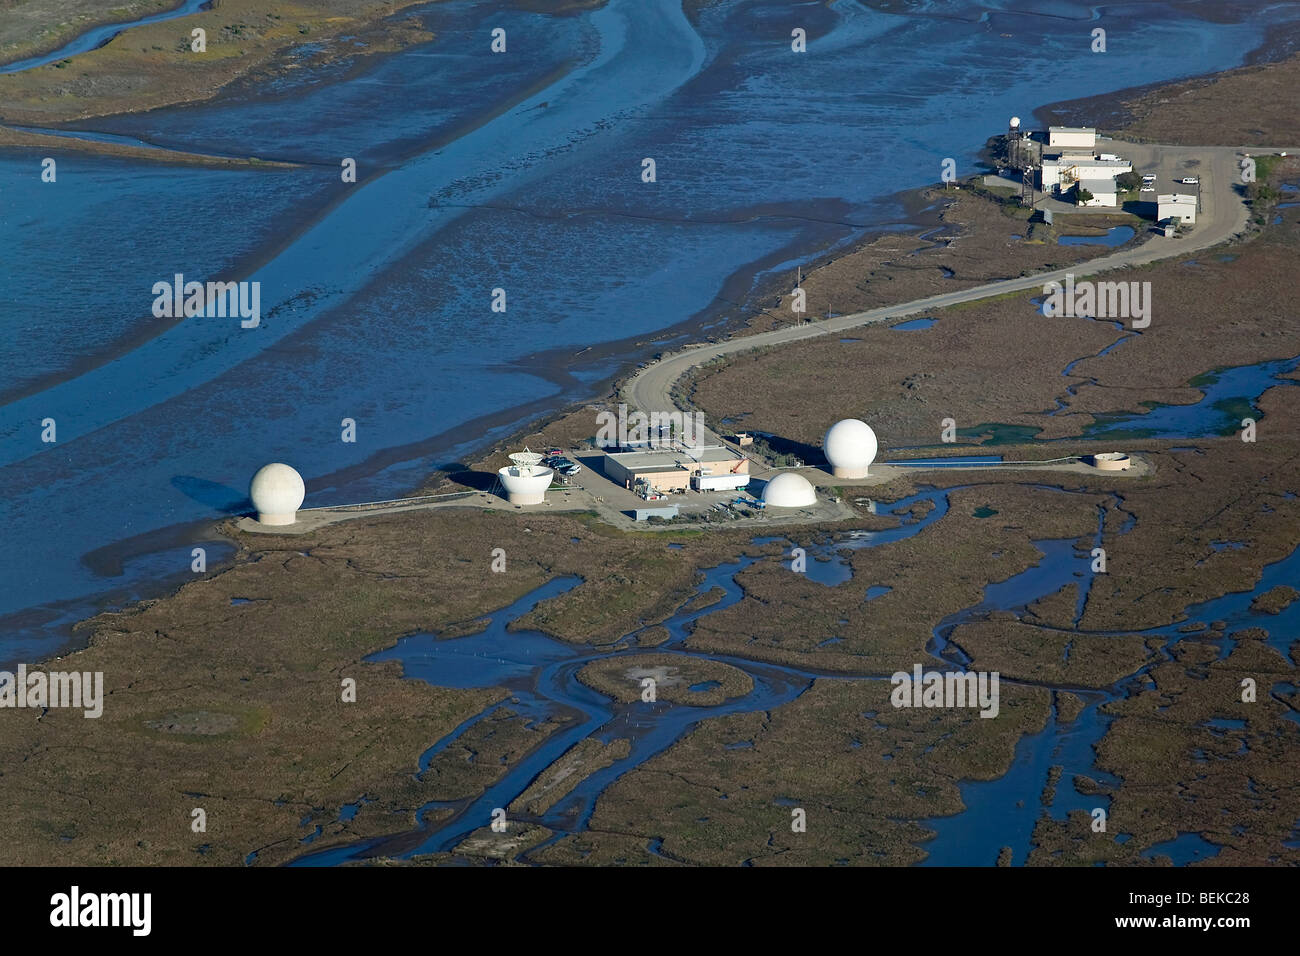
(671, 469)
(1071, 137)
(1176, 206)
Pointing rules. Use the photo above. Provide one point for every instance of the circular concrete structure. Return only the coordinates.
(524, 480)
(850, 447)
(1110, 461)
(525, 484)
(789, 490)
(276, 492)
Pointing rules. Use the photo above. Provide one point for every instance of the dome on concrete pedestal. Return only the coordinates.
(277, 492)
(850, 447)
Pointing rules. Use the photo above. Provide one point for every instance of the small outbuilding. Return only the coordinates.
(666, 512)
(1104, 191)
(1180, 206)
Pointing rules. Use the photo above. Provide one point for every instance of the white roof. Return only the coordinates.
(670, 458)
(1072, 129)
(1172, 198)
(1104, 184)
(1088, 161)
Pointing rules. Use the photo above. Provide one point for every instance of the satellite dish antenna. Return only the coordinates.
(526, 461)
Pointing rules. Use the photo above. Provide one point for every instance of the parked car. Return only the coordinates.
(1189, 181)
(1148, 189)
(571, 469)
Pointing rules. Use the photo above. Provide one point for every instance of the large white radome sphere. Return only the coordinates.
(789, 490)
(850, 447)
(277, 492)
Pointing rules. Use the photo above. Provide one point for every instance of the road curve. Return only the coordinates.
(1224, 214)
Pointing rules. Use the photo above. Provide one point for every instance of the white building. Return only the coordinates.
(1064, 171)
(1104, 191)
(1176, 205)
(1071, 137)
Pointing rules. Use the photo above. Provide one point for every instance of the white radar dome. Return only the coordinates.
(789, 490)
(277, 492)
(850, 447)
(1015, 122)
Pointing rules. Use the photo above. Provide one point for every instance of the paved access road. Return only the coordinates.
(1223, 215)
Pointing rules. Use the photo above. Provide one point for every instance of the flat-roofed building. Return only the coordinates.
(667, 512)
(672, 469)
(1103, 190)
(1065, 171)
(1072, 152)
(1071, 137)
(1181, 206)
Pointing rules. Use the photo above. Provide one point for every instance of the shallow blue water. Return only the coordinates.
(98, 36)
(539, 673)
(1216, 413)
(1184, 849)
(1001, 812)
(380, 311)
(1115, 236)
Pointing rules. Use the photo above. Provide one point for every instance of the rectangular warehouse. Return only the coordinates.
(1176, 206)
(672, 470)
(629, 468)
(1071, 137)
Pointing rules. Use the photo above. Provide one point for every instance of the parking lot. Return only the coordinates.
(1168, 165)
